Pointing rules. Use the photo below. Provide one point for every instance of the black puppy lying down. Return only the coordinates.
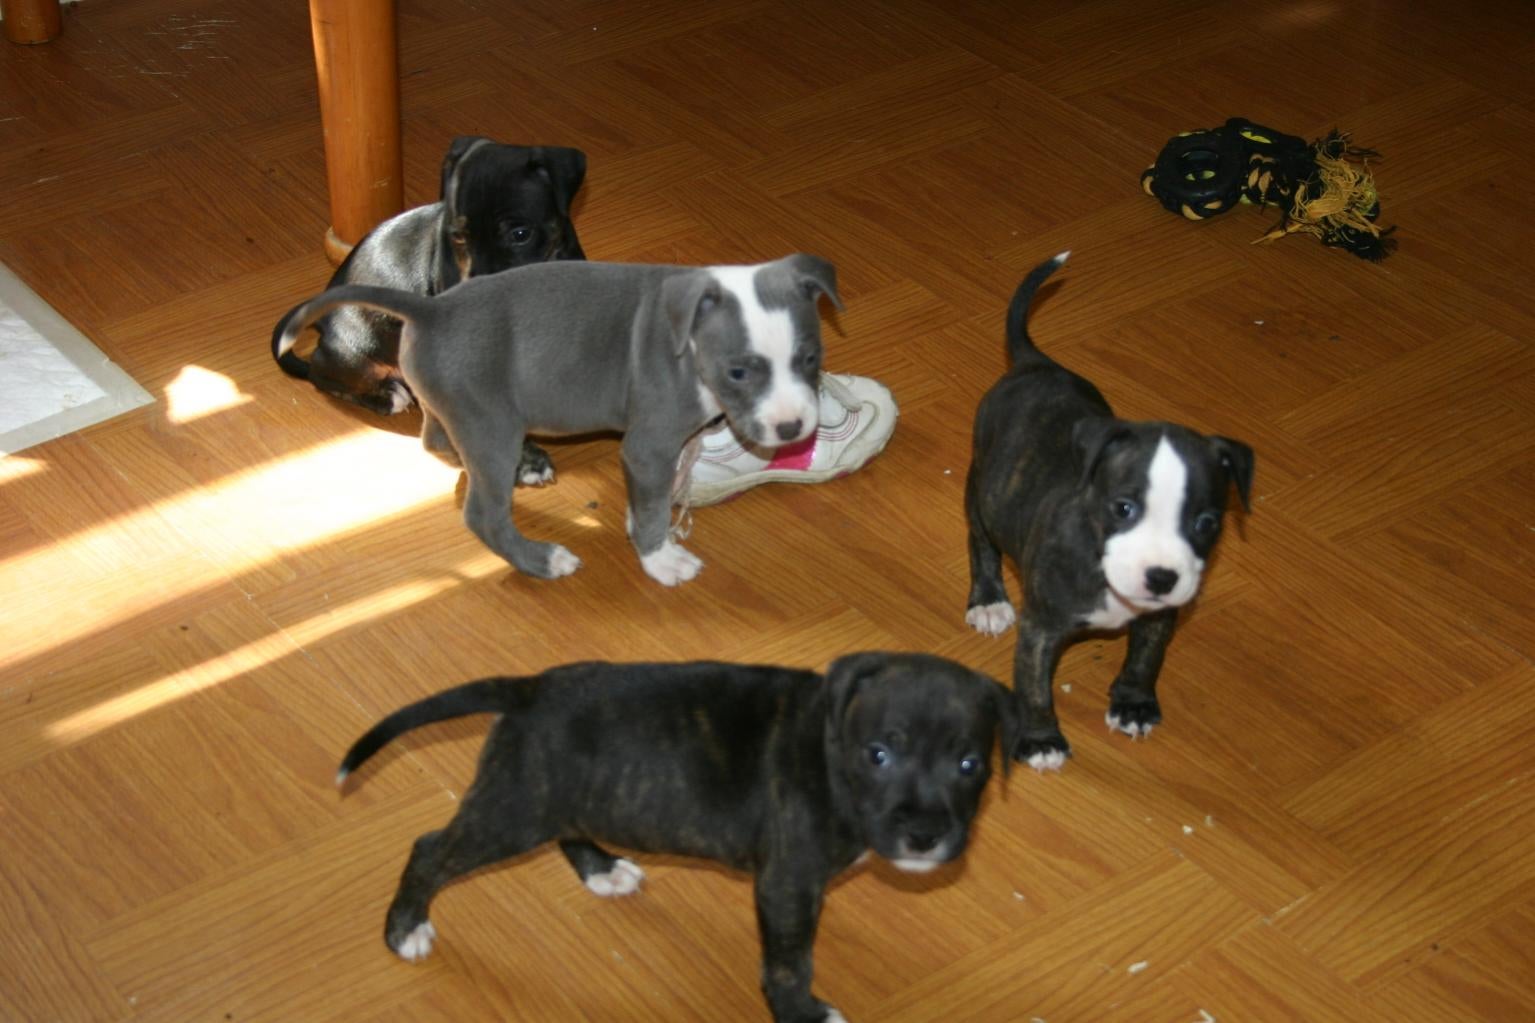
(501, 206)
(776, 771)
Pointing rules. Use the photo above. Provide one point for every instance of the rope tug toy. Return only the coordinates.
(1323, 188)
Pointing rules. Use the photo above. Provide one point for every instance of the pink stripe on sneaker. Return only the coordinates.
(798, 455)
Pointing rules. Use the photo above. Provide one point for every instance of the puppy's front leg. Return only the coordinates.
(648, 468)
(1133, 707)
(788, 910)
(1040, 742)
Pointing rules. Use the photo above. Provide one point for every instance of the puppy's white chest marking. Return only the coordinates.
(1114, 614)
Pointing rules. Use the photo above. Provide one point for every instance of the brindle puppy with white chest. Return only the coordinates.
(1109, 522)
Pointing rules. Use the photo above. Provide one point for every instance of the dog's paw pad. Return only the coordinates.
(622, 879)
(418, 943)
(1047, 760)
(991, 619)
(1135, 725)
(562, 562)
(671, 564)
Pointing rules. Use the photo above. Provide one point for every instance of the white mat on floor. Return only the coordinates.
(53, 381)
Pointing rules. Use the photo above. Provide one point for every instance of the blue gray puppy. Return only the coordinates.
(654, 352)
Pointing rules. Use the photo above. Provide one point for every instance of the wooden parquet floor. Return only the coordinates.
(206, 600)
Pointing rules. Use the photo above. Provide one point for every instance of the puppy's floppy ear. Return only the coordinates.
(456, 152)
(687, 297)
(815, 276)
(843, 679)
(1237, 459)
(565, 168)
(1091, 438)
(1008, 726)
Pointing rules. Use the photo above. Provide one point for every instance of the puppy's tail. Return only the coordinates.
(289, 361)
(1019, 343)
(404, 305)
(487, 696)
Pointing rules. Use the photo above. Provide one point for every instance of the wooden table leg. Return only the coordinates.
(355, 55)
(31, 21)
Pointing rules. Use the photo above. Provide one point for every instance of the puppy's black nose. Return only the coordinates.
(1161, 580)
(790, 430)
(920, 841)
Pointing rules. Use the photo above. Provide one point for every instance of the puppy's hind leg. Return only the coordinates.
(491, 453)
(435, 439)
(359, 380)
(603, 873)
(478, 836)
(988, 610)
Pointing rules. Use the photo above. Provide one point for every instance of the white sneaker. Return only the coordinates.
(857, 417)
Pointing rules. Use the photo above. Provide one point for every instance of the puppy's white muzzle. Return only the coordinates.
(788, 418)
(922, 861)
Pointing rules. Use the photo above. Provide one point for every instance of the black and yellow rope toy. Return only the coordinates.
(1322, 188)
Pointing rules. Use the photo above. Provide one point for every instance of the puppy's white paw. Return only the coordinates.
(1134, 730)
(399, 397)
(562, 562)
(623, 879)
(1053, 760)
(536, 477)
(833, 1016)
(991, 619)
(671, 564)
(418, 943)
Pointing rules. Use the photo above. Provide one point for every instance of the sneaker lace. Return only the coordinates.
(682, 485)
(832, 384)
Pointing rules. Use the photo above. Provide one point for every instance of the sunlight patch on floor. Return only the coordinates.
(198, 392)
(271, 647)
(208, 536)
(16, 467)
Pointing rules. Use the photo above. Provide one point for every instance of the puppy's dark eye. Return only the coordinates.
(879, 756)
(518, 234)
(708, 302)
(810, 360)
(1206, 524)
(736, 373)
(969, 765)
(1124, 509)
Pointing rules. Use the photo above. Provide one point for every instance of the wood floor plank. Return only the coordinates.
(1374, 923)
(1260, 974)
(1092, 960)
(1401, 778)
